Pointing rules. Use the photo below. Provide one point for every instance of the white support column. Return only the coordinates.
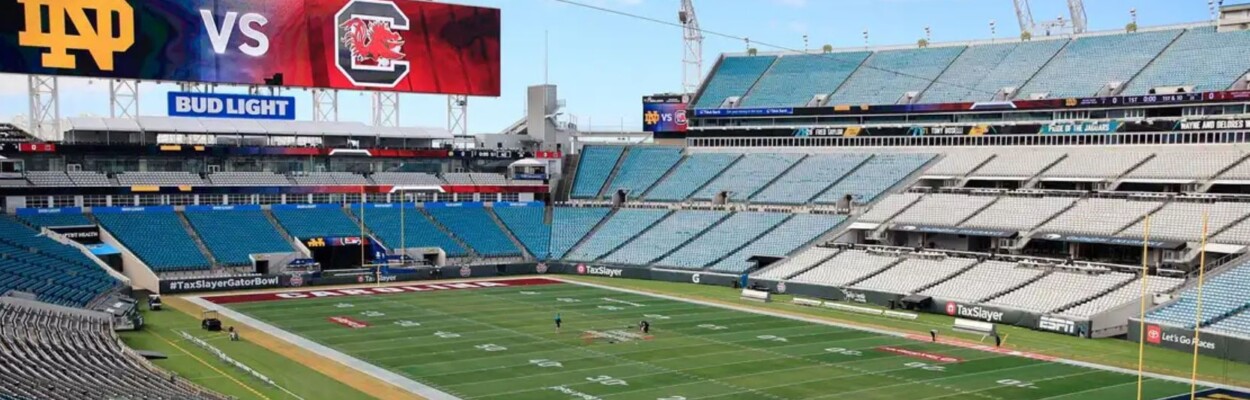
(325, 105)
(458, 117)
(385, 109)
(123, 98)
(45, 107)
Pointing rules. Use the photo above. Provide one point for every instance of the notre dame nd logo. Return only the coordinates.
(651, 117)
(96, 39)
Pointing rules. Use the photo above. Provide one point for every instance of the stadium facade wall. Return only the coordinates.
(1211, 344)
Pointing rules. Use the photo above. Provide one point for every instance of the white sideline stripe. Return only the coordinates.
(379, 373)
(882, 332)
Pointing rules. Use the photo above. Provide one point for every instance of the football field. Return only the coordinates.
(498, 341)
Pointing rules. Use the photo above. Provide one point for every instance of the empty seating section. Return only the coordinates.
(1059, 290)
(329, 178)
(1237, 324)
(159, 178)
(796, 264)
(526, 224)
(983, 281)
(1183, 166)
(736, 231)
(476, 228)
(1020, 214)
(60, 353)
(796, 232)
(89, 178)
(248, 179)
(943, 209)
(1097, 165)
(1222, 294)
(408, 229)
(846, 268)
(1130, 293)
(957, 164)
(914, 274)
(594, 168)
(887, 75)
(316, 222)
(1182, 221)
(406, 179)
(890, 206)
(480, 178)
(49, 178)
(458, 178)
(795, 79)
(623, 226)
(570, 224)
(1238, 233)
(1102, 217)
(810, 177)
(668, 234)
(233, 235)
(57, 219)
(1239, 172)
(53, 272)
(1090, 62)
(1202, 58)
(733, 77)
(690, 175)
(642, 168)
(748, 176)
(1018, 164)
(874, 177)
(982, 71)
(158, 238)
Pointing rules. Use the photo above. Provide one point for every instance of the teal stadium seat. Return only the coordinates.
(316, 222)
(1088, 63)
(157, 238)
(593, 169)
(622, 226)
(887, 75)
(233, 235)
(981, 71)
(57, 219)
(795, 79)
(472, 225)
(1201, 57)
(416, 230)
(690, 175)
(796, 232)
(53, 272)
(733, 77)
(642, 168)
(570, 224)
(526, 224)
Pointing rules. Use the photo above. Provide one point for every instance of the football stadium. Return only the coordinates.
(1061, 212)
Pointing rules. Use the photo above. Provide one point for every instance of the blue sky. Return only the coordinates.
(604, 63)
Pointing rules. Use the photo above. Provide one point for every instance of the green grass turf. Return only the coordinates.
(491, 344)
(301, 380)
(1114, 352)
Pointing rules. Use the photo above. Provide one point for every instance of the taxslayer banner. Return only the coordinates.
(399, 45)
(170, 286)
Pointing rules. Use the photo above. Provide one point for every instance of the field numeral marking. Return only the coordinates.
(545, 363)
(713, 327)
(926, 367)
(490, 347)
(372, 313)
(845, 352)
(1017, 383)
(672, 398)
(607, 380)
(446, 335)
(528, 293)
(657, 316)
(567, 300)
(407, 323)
(772, 338)
(344, 305)
(611, 308)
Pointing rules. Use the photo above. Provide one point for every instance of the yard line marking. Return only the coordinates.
(1034, 381)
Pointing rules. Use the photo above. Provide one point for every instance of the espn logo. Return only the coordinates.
(951, 308)
(1057, 325)
(1154, 334)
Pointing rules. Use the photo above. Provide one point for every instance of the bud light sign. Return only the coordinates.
(213, 105)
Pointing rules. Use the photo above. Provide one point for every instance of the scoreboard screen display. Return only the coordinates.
(664, 113)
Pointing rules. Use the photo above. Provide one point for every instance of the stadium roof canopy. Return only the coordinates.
(230, 126)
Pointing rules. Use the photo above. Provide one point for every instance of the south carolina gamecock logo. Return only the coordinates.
(369, 45)
(465, 272)
(781, 287)
(541, 268)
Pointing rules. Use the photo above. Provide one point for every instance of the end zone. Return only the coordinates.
(372, 291)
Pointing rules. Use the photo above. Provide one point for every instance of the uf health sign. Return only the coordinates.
(231, 106)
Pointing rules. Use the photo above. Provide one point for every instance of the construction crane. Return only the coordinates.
(692, 39)
(1076, 10)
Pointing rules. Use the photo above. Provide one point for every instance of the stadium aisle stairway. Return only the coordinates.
(526, 224)
(570, 224)
(472, 225)
(642, 168)
(417, 230)
(593, 170)
(316, 222)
